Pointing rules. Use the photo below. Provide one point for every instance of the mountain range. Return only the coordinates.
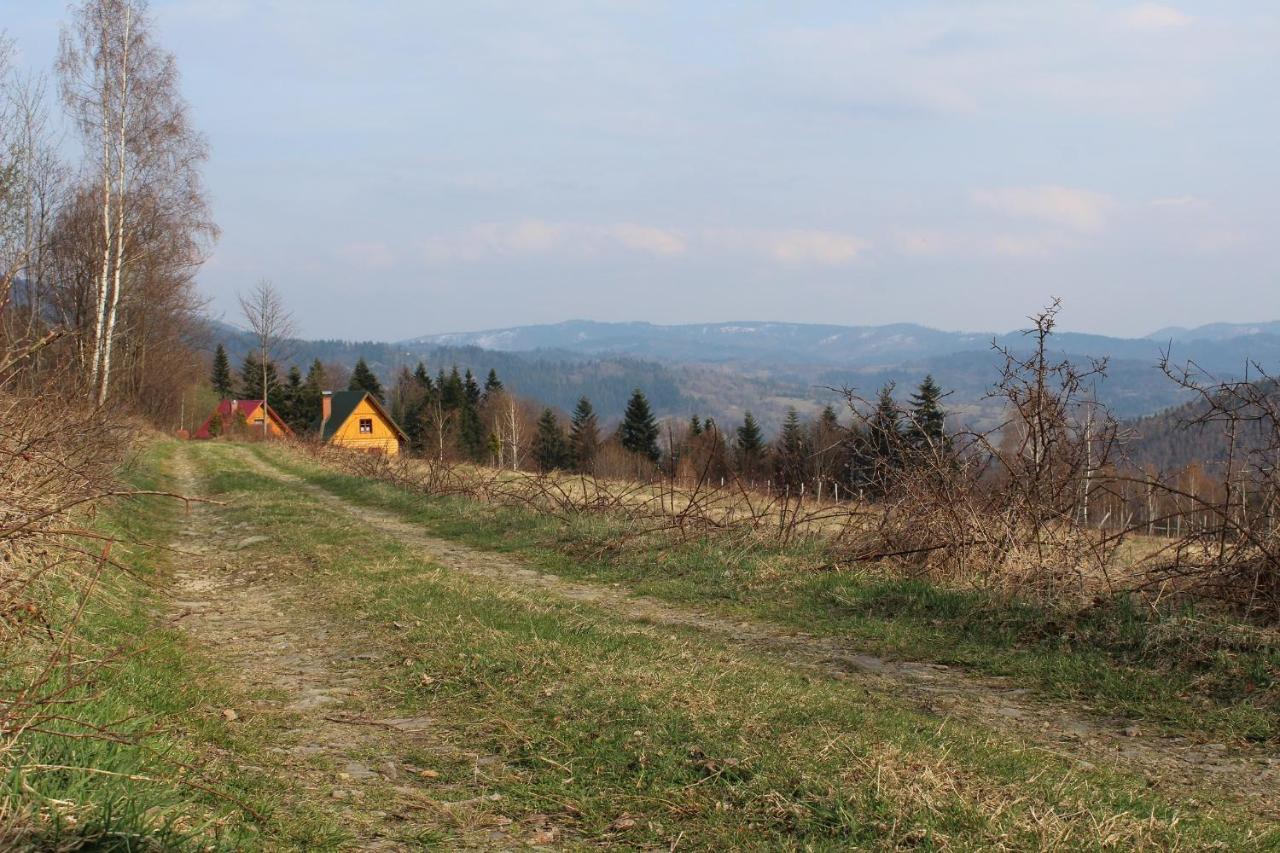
(725, 369)
(1216, 346)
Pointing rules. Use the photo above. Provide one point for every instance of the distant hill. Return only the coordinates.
(724, 369)
(1220, 347)
(1216, 331)
(796, 343)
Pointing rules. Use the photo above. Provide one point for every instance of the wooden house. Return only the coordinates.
(357, 420)
(242, 418)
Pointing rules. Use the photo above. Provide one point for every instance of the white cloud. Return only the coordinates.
(932, 242)
(538, 236)
(1155, 16)
(789, 246)
(646, 238)
(822, 247)
(1079, 210)
(373, 256)
(1175, 201)
(534, 235)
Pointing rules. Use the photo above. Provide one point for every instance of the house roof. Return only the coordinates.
(343, 403)
(228, 408)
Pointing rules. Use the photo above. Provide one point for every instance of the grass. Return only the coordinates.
(592, 729)
(557, 723)
(1181, 671)
(160, 778)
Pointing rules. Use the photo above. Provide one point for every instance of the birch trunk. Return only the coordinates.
(105, 275)
(121, 187)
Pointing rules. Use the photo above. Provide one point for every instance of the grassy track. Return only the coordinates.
(140, 750)
(540, 720)
(576, 726)
(1182, 672)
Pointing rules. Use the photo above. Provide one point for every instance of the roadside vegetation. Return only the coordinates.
(573, 725)
(1177, 668)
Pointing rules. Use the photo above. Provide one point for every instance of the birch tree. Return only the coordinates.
(143, 156)
(31, 187)
(270, 322)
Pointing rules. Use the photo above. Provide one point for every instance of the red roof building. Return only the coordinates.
(245, 415)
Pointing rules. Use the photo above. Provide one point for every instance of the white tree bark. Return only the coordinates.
(122, 176)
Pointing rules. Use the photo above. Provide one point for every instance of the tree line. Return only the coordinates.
(454, 417)
(859, 457)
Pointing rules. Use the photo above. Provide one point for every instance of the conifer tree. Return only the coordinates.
(423, 378)
(584, 437)
(750, 446)
(829, 420)
(928, 426)
(471, 390)
(793, 452)
(880, 445)
(639, 431)
(550, 450)
(452, 392)
(316, 379)
(471, 432)
(828, 448)
(313, 388)
(220, 378)
(493, 384)
(251, 378)
(695, 427)
(292, 406)
(363, 379)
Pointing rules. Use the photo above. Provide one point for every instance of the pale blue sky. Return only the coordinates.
(399, 167)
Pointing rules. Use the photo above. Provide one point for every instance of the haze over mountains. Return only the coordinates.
(1217, 345)
(723, 369)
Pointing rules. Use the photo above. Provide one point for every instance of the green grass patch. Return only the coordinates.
(1183, 671)
(143, 757)
(645, 736)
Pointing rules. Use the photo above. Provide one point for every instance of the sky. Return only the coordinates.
(405, 167)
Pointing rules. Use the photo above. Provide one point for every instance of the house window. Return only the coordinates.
(366, 426)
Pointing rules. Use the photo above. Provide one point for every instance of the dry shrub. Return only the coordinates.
(56, 463)
(1010, 510)
(1001, 509)
(1230, 550)
(639, 510)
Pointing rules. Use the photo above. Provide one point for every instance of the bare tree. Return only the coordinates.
(270, 322)
(122, 91)
(31, 188)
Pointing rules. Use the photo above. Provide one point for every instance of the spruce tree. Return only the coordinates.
(251, 376)
(313, 388)
(639, 430)
(883, 443)
(750, 446)
(363, 379)
(584, 437)
(829, 420)
(220, 378)
(493, 384)
(291, 405)
(452, 393)
(463, 396)
(471, 390)
(695, 427)
(928, 427)
(793, 452)
(550, 451)
(423, 378)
